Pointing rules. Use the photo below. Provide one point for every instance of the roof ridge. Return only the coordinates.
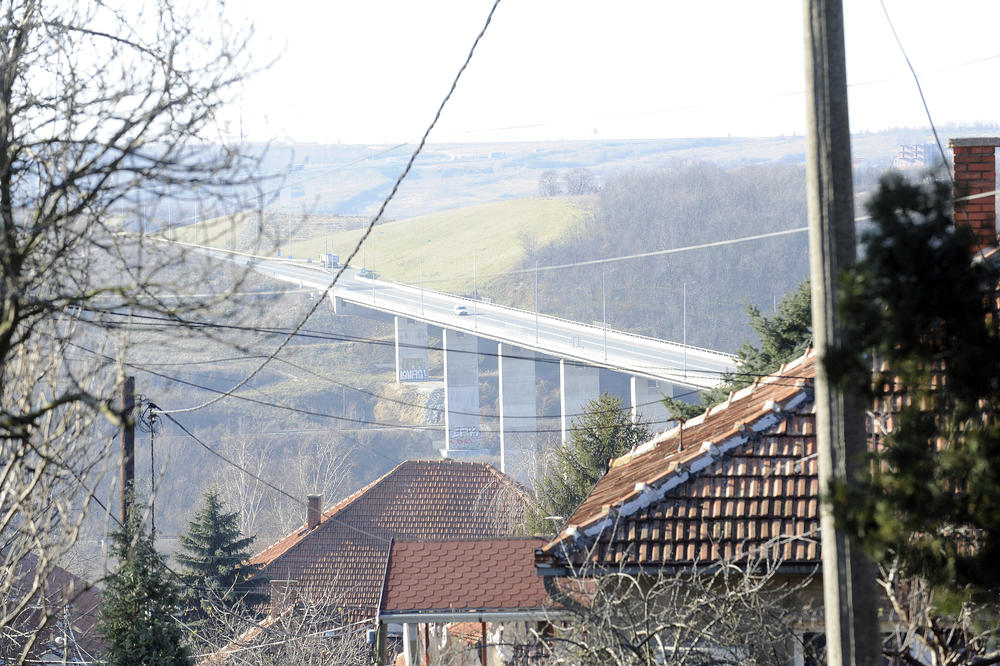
(759, 383)
(329, 516)
(509, 537)
(329, 513)
(649, 485)
(686, 467)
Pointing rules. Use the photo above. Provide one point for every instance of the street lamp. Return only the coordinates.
(604, 308)
(536, 302)
(684, 326)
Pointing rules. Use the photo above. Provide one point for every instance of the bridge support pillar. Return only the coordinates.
(461, 395)
(412, 364)
(578, 384)
(646, 401)
(518, 420)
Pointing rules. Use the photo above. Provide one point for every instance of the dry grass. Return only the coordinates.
(498, 235)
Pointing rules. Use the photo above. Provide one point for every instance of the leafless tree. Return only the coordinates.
(239, 488)
(931, 630)
(580, 181)
(299, 630)
(740, 611)
(548, 183)
(502, 503)
(320, 465)
(105, 108)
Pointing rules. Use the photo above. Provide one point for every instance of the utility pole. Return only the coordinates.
(128, 447)
(152, 471)
(852, 636)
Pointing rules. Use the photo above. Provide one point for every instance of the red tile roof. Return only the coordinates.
(737, 478)
(481, 575)
(60, 588)
(343, 559)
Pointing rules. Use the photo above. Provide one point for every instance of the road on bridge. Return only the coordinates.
(594, 345)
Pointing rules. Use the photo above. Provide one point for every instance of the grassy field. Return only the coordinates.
(450, 242)
(494, 236)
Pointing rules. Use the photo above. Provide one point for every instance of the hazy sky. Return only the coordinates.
(374, 71)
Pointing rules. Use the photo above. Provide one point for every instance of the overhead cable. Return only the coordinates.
(368, 229)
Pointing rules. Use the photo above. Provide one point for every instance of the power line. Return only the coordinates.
(264, 403)
(177, 322)
(368, 229)
(337, 417)
(181, 579)
(920, 90)
(640, 255)
(264, 481)
(375, 341)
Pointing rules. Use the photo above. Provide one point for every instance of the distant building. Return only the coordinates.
(339, 556)
(916, 156)
(61, 616)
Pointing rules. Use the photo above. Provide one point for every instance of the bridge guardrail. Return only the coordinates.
(531, 313)
(638, 336)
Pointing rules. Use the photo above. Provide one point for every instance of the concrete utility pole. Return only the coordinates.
(852, 635)
(128, 446)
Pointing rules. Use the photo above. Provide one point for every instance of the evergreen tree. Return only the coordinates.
(139, 602)
(924, 306)
(783, 336)
(213, 558)
(603, 432)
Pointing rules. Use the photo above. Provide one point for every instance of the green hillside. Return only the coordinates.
(495, 233)
(500, 235)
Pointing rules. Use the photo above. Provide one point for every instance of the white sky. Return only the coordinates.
(374, 71)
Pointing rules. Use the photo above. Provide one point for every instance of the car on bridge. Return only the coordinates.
(461, 310)
(367, 274)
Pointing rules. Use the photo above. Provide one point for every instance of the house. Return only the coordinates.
(739, 481)
(465, 601)
(718, 486)
(61, 616)
(339, 557)
(735, 484)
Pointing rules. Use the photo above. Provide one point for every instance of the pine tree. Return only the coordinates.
(783, 337)
(214, 559)
(139, 602)
(603, 432)
(925, 306)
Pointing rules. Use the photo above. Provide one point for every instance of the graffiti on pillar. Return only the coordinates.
(412, 369)
(464, 438)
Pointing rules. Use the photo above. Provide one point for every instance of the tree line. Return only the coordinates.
(697, 295)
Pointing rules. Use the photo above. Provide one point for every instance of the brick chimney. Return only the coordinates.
(976, 173)
(314, 511)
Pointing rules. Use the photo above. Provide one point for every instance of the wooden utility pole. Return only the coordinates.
(852, 636)
(128, 446)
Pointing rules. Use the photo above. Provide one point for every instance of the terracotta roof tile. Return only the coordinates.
(59, 588)
(483, 575)
(343, 559)
(740, 475)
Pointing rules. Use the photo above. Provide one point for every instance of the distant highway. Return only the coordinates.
(633, 354)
